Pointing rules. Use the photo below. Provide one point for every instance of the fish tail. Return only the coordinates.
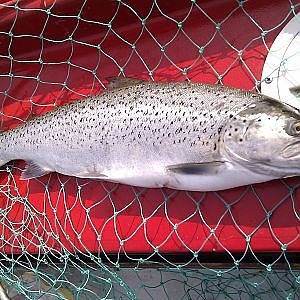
(3, 154)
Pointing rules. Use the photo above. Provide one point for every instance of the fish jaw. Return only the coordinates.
(291, 151)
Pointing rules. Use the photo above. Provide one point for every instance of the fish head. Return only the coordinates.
(264, 137)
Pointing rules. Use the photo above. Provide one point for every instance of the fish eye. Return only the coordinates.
(295, 128)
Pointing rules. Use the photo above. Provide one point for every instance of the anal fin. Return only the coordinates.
(33, 170)
(91, 174)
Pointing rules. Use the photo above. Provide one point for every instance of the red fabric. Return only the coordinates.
(193, 231)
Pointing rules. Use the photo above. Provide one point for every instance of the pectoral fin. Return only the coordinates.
(208, 168)
(33, 170)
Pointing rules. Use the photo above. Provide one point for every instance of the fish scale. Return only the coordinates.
(130, 133)
(132, 109)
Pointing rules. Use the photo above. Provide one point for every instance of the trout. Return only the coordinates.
(181, 135)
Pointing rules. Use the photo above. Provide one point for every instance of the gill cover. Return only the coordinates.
(265, 138)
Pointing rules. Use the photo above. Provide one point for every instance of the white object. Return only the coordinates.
(282, 66)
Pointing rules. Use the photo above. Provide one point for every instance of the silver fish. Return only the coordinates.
(187, 136)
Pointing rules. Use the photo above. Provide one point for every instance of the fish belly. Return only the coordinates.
(224, 180)
(227, 178)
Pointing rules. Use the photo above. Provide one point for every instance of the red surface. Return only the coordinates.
(78, 230)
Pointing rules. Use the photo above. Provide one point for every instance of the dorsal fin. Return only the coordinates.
(119, 82)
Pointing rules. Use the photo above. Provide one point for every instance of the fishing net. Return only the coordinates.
(68, 238)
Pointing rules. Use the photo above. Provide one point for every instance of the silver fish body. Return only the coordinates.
(187, 136)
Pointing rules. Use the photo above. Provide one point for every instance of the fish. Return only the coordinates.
(179, 135)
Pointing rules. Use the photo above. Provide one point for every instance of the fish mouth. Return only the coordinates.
(291, 150)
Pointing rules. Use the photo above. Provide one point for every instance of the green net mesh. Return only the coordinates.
(69, 238)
